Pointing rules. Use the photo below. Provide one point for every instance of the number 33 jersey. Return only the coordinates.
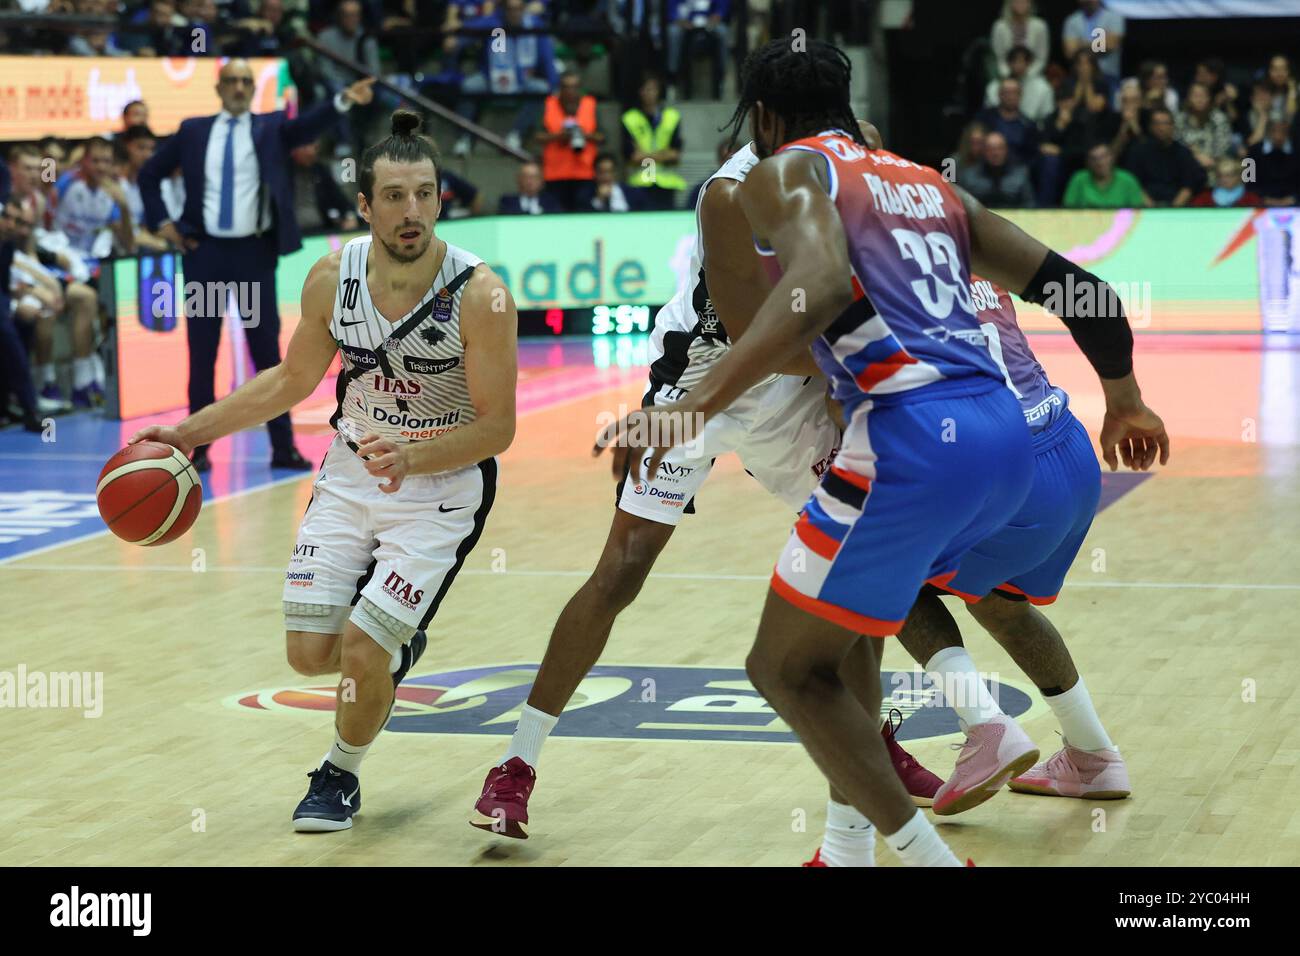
(406, 384)
(913, 325)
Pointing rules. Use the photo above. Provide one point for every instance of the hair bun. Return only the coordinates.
(405, 123)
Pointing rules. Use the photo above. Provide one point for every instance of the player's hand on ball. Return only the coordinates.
(167, 434)
(384, 459)
(1138, 433)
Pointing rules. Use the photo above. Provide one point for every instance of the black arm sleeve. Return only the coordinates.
(1090, 309)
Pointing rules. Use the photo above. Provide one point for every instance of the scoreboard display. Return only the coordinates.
(600, 320)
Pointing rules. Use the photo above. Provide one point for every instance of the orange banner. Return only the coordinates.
(76, 96)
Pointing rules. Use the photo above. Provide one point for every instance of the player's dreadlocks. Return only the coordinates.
(405, 145)
(808, 89)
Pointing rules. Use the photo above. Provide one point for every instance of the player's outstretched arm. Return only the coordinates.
(736, 280)
(489, 330)
(276, 390)
(1005, 253)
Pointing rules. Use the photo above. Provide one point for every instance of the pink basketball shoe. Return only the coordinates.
(994, 752)
(1071, 772)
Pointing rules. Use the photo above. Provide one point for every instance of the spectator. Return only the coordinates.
(13, 356)
(332, 207)
(92, 204)
(1277, 169)
(99, 42)
(522, 65)
(698, 25)
(135, 113)
(1167, 170)
(460, 197)
(1253, 124)
(653, 133)
(1019, 27)
(530, 200)
(1037, 99)
(137, 144)
(1210, 73)
(1102, 186)
(721, 153)
(1083, 73)
(606, 194)
(1202, 128)
(1020, 132)
(970, 152)
(1132, 119)
(200, 27)
(569, 139)
(999, 180)
(1281, 86)
(347, 37)
(1082, 119)
(164, 33)
(636, 44)
(1229, 190)
(237, 221)
(1153, 79)
(269, 33)
(1095, 28)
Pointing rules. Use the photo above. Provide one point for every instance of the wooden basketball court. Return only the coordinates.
(1181, 612)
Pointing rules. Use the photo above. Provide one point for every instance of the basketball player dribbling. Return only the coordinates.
(426, 400)
(936, 456)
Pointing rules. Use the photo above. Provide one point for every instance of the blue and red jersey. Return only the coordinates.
(912, 331)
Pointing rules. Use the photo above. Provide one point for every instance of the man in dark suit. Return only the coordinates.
(238, 219)
(532, 199)
(605, 193)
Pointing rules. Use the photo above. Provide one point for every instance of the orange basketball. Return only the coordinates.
(149, 493)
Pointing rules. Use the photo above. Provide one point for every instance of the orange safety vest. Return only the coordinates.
(559, 161)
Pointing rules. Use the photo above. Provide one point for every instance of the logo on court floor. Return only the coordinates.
(625, 702)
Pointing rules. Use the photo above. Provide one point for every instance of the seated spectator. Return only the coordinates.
(99, 42)
(13, 356)
(1018, 27)
(460, 197)
(164, 33)
(653, 132)
(1082, 119)
(606, 194)
(721, 153)
(569, 139)
(697, 25)
(1080, 32)
(1153, 79)
(1167, 170)
(1252, 125)
(523, 65)
(1209, 73)
(1102, 186)
(201, 23)
(269, 32)
(1037, 99)
(970, 152)
(135, 113)
(1132, 119)
(334, 210)
(1280, 83)
(1084, 73)
(1202, 128)
(530, 200)
(1229, 190)
(1020, 132)
(999, 180)
(1277, 168)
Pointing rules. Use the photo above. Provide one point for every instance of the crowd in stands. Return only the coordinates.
(1062, 125)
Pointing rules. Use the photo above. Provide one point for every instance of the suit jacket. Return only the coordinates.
(585, 199)
(509, 205)
(274, 135)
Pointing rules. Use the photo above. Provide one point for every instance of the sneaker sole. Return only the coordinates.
(513, 828)
(920, 801)
(1041, 791)
(989, 787)
(320, 825)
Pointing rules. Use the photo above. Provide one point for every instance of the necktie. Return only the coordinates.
(226, 215)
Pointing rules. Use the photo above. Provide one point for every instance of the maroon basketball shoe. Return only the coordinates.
(503, 807)
(920, 783)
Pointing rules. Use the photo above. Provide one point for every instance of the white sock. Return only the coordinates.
(44, 374)
(1079, 721)
(83, 372)
(344, 755)
(534, 727)
(954, 672)
(918, 844)
(97, 365)
(850, 838)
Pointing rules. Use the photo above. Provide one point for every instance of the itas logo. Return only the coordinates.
(358, 358)
(404, 387)
(427, 366)
(300, 579)
(631, 702)
(401, 591)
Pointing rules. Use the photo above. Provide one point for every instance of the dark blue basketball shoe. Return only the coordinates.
(332, 798)
(411, 653)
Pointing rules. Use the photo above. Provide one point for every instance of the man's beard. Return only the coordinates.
(399, 255)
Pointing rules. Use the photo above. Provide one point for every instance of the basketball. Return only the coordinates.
(149, 493)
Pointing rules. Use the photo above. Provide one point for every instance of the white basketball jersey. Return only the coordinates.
(402, 378)
(688, 337)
